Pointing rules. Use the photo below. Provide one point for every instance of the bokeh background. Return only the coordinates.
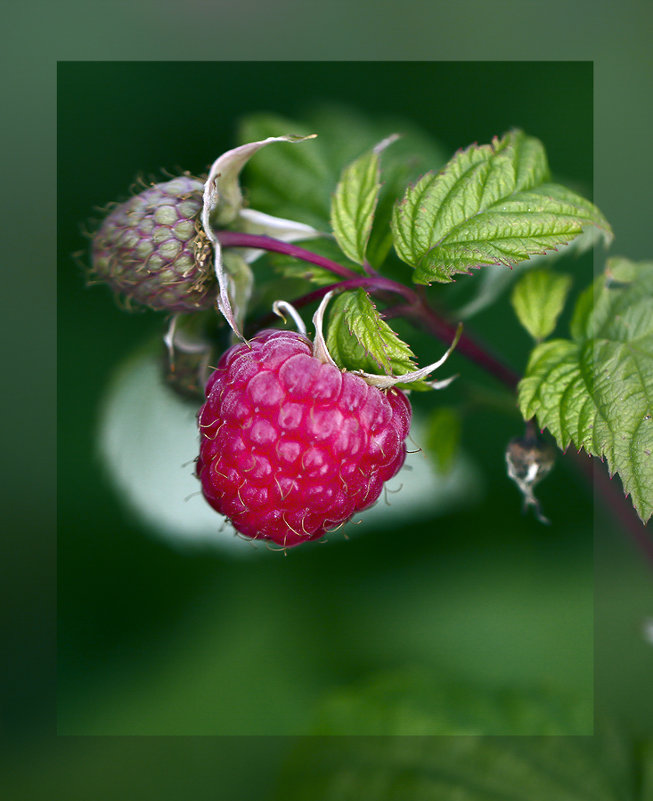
(155, 640)
(614, 38)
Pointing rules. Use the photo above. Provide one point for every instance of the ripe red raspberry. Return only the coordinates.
(292, 447)
(152, 250)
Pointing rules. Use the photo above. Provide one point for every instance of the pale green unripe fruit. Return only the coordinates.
(153, 252)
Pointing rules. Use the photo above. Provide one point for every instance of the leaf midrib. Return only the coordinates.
(573, 226)
(438, 213)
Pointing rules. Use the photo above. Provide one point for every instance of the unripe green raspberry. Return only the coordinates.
(153, 251)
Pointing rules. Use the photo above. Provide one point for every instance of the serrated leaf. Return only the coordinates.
(443, 437)
(299, 185)
(538, 300)
(353, 205)
(595, 390)
(491, 204)
(359, 339)
(490, 285)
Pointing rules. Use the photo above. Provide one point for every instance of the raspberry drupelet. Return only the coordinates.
(292, 447)
(152, 251)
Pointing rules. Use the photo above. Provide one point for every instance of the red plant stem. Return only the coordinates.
(235, 239)
(608, 491)
(417, 308)
(468, 346)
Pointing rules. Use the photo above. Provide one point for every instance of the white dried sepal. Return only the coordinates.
(177, 337)
(320, 350)
(240, 282)
(222, 203)
(442, 384)
(222, 194)
(281, 306)
(381, 146)
(223, 300)
(387, 381)
(251, 221)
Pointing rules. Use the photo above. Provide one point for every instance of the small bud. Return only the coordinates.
(192, 343)
(529, 459)
(152, 249)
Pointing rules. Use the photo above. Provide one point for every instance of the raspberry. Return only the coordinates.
(292, 447)
(152, 250)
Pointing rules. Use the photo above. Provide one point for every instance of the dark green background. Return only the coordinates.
(614, 37)
(153, 641)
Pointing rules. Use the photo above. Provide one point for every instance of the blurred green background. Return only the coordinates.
(153, 640)
(615, 37)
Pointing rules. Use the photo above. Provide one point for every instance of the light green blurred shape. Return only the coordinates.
(148, 439)
(416, 700)
(466, 768)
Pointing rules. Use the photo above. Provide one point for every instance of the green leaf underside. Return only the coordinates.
(596, 389)
(353, 205)
(538, 300)
(292, 185)
(309, 272)
(465, 766)
(240, 282)
(291, 267)
(491, 204)
(358, 339)
(300, 185)
(443, 437)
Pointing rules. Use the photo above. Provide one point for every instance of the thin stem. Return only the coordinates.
(417, 308)
(468, 346)
(339, 286)
(235, 239)
(608, 491)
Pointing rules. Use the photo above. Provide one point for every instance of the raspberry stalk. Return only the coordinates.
(416, 306)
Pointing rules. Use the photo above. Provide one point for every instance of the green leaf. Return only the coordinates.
(538, 299)
(319, 276)
(359, 339)
(417, 701)
(595, 390)
(353, 205)
(443, 437)
(491, 204)
(469, 767)
(291, 268)
(469, 298)
(299, 186)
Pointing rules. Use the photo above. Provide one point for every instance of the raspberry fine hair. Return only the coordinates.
(292, 447)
